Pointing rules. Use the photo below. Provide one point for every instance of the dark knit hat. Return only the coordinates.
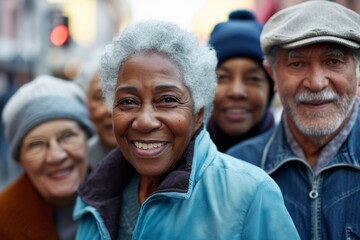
(44, 99)
(238, 37)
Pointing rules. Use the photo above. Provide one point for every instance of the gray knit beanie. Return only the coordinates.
(43, 99)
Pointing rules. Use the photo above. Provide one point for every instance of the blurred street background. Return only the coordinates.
(56, 36)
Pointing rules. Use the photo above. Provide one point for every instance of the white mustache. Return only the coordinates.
(307, 97)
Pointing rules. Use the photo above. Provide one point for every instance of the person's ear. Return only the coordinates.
(269, 70)
(199, 118)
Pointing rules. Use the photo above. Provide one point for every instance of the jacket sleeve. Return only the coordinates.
(267, 216)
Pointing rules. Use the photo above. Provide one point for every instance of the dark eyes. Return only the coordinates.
(246, 79)
(334, 61)
(125, 102)
(67, 135)
(36, 144)
(329, 61)
(295, 64)
(255, 79)
(169, 99)
(223, 77)
(165, 101)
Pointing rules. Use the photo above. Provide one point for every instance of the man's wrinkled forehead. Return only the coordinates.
(326, 50)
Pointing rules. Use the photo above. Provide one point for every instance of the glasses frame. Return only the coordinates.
(69, 139)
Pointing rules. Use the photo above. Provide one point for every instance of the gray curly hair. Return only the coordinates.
(197, 63)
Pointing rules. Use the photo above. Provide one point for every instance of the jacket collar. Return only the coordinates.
(103, 188)
(277, 151)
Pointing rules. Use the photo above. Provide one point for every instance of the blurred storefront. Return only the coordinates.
(26, 27)
(48, 37)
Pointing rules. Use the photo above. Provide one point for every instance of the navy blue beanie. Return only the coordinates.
(239, 37)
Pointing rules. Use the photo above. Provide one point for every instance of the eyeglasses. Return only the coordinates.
(68, 140)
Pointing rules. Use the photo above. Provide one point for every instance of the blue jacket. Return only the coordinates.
(325, 206)
(210, 196)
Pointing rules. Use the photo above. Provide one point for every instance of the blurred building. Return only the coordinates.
(52, 37)
(26, 27)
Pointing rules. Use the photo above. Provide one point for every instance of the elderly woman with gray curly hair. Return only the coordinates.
(166, 179)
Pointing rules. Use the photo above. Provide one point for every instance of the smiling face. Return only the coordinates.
(317, 86)
(241, 96)
(153, 114)
(54, 156)
(100, 115)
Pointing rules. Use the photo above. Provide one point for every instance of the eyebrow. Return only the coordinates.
(251, 69)
(164, 87)
(126, 89)
(335, 52)
(329, 52)
(294, 54)
(134, 89)
(255, 69)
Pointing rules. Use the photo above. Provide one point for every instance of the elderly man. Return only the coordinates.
(313, 54)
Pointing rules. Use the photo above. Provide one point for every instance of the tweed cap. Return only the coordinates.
(44, 99)
(309, 23)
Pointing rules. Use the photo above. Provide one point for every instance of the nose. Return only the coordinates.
(316, 79)
(146, 119)
(237, 89)
(55, 153)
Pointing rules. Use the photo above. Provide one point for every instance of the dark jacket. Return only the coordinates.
(325, 206)
(224, 141)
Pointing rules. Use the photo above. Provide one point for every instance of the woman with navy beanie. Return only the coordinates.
(244, 92)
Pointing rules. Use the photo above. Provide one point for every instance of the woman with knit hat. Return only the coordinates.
(47, 126)
(244, 92)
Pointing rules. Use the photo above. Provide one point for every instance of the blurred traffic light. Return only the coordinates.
(59, 33)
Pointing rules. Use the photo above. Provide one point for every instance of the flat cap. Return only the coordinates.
(309, 23)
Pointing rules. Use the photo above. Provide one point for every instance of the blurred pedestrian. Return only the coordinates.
(245, 91)
(13, 74)
(313, 54)
(47, 126)
(9, 169)
(104, 140)
(166, 180)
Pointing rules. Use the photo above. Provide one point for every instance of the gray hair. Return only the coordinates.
(272, 57)
(196, 62)
(357, 59)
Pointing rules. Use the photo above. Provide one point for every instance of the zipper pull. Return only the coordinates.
(313, 194)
